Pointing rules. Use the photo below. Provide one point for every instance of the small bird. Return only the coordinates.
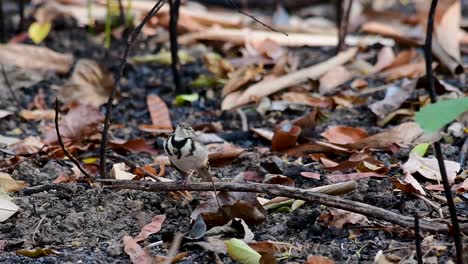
(187, 154)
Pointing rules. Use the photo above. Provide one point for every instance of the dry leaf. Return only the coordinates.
(222, 153)
(160, 116)
(118, 172)
(447, 29)
(307, 99)
(264, 133)
(399, 33)
(29, 145)
(429, 167)
(395, 96)
(402, 58)
(311, 175)
(8, 184)
(151, 228)
(133, 145)
(5, 113)
(268, 48)
(242, 76)
(285, 137)
(38, 114)
(7, 209)
(137, 254)
(79, 123)
(352, 176)
(384, 59)
(335, 77)
(36, 58)
(411, 70)
(409, 185)
(344, 135)
(90, 83)
(338, 218)
(318, 260)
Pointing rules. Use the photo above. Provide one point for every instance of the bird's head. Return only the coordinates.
(184, 130)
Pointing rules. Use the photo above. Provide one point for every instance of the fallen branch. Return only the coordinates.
(284, 191)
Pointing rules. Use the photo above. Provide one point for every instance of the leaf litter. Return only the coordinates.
(324, 118)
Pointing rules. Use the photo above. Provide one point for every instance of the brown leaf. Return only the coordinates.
(447, 28)
(271, 247)
(151, 228)
(90, 83)
(137, 254)
(38, 114)
(338, 218)
(222, 153)
(160, 116)
(402, 58)
(394, 97)
(399, 33)
(79, 123)
(307, 99)
(411, 70)
(316, 147)
(242, 76)
(268, 48)
(352, 176)
(318, 260)
(264, 133)
(344, 135)
(8, 184)
(29, 145)
(463, 187)
(36, 58)
(133, 145)
(384, 59)
(285, 137)
(279, 179)
(429, 167)
(410, 185)
(335, 77)
(311, 175)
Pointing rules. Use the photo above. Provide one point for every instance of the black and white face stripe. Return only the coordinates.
(174, 147)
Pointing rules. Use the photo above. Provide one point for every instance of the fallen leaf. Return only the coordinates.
(316, 147)
(411, 71)
(239, 251)
(29, 145)
(268, 48)
(133, 145)
(222, 153)
(435, 116)
(278, 179)
(429, 167)
(241, 77)
(285, 137)
(162, 57)
(119, 172)
(338, 218)
(8, 184)
(311, 175)
(37, 252)
(5, 113)
(318, 260)
(331, 80)
(159, 114)
(402, 58)
(79, 123)
(90, 83)
(264, 133)
(384, 59)
(151, 228)
(307, 99)
(272, 247)
(181, 99)
(447, 28)
(463, 187)
(38, 31)
(344, 135)
(7, 209)
(137, 254)
(38, 114)
(409, 185)
(395, 96)
(44, 59)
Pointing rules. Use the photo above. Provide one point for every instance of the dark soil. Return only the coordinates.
(86, 223)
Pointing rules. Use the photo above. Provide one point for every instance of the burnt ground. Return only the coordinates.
(86, 223)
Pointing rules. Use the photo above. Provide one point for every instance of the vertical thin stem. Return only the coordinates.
(121, 13)
(437, 146)
(107, 120)
(2, 24)
(175, 65)
(107, 33)
(21, 14)
(417, 239)
(343, 26)
(10, 88)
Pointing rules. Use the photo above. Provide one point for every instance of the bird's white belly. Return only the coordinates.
(191, 162)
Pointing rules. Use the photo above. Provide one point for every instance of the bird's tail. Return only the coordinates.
(204, 174)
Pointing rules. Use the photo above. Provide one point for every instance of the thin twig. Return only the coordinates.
(121, 13)
(417, 239)
(243, 118)
(59, 138)
(130, 40)
(134, 166)
(284, 191)
(175, 65)
(10, 88)
(437, 146)
(174, 248)
(37, 229)
(234, 5)
(2, 24)
(343, 26)
(464, 150)
(21, 14)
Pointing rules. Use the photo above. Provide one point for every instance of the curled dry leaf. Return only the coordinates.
(447, 28)
(268, 48)
(224, 152)
(29, 145)
(344, 135)
(151, 228)
(7, 209)
(402, 58)
(318, 260)
(429, 167)
(38, 114)
(331, 80)
(44, 59)
(285, 137)
(395, 96)
(160, 116)
(8, 184)
(384, 59)
(409, 185)
(118, 172)
(78, 124)
(307, 99)
(264, 133)
(311, 175)
(137, 254)
(338, 218)
(242, 76)
(278, 179)
(90, 83)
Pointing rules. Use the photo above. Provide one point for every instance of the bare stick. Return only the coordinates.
(463, 151)
(284, 191)
(243, 118)
(121, 13)
(417, 239)
(175, 65)
(233, 4)
(59, 138)
(130, 40)
(437, 147)
(21, 14)
(2, 24)
(343, 26)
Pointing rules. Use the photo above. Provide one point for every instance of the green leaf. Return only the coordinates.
(239, 251)
(183, 98)
(297, 204)
(207, 81)
(39, 31)
(435, 116)
(162, 57)
(421, 149)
